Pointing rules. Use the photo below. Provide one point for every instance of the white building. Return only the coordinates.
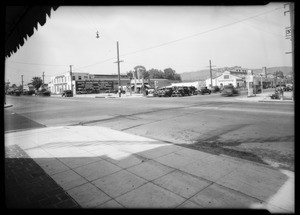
(197, 84)
(226, 78)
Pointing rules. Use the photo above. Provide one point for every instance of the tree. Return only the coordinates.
(36, 82)
(279, 74)
(14, 86)
(155, 73)
(169, 73)
(129, 74)
(177, 77)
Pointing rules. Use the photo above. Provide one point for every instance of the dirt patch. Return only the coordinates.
(256, 154)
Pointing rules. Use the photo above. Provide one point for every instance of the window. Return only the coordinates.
(73, 77)
(79, 77)
(85, 77)
(226, 76)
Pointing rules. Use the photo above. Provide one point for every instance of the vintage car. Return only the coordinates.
(229, 90)
(204, 90)
(67, 93)
(178, 92)
(165, 92)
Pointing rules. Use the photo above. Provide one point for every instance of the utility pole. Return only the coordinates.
(210, 71)
(71, 77)
(290, 35)
(118, 61)
(43, 78)
(22, 83)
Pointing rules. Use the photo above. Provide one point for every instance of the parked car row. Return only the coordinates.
(18, 92)
(183, 91)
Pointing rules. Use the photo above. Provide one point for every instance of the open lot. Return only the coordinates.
(260, 132)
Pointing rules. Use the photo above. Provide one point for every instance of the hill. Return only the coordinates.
(205, 74)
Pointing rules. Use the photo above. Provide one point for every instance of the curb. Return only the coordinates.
(279, 101)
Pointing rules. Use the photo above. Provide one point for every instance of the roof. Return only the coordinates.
(234, 74)
(20, 22)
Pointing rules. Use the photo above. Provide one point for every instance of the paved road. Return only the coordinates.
(211, 123)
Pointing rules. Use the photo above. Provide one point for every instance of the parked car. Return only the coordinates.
(165, 92)
(28, 92)
(204, 90)
(275, 96)
(67, 93)
(177, 92)
(81, 92)
(229, 90)
(215, 89)
(257, 89)
(283, 86)
(193, 90)
(16, 92)
(289, 87)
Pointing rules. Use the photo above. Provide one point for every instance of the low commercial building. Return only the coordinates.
(227, 78)
(86, 83)
(197, 84)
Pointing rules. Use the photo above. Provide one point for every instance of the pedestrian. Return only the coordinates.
(281, 93)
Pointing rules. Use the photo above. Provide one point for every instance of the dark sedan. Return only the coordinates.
(229, 90)
(67, 93)
(204, 90)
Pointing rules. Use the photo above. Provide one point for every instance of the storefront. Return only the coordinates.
(86, 83)
(226, 78)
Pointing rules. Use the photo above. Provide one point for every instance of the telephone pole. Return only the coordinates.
(71, 77)
(43, 78)
(118, 61)
(290, 34)
(210, 71)
(22, 83)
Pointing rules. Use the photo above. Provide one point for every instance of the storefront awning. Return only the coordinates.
(20, 22)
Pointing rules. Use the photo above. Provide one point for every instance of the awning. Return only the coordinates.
(20, 22)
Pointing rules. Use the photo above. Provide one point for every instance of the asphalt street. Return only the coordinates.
(261, 132)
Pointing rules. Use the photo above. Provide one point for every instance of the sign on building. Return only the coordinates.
(95, 86)
(249, 78)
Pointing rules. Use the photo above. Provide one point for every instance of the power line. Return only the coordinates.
(37, 64)
(204, 32)
(163, 44)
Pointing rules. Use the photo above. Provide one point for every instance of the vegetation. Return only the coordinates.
(168, 73)
(36, 82)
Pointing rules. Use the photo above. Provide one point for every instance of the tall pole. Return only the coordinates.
(22, 83)
(119, 79)
(291, 36)
(210, 73)
(71, 77)
(118, 61)
(261, 83)
(43, 78)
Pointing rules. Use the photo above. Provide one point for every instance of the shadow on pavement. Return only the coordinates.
(134, 174)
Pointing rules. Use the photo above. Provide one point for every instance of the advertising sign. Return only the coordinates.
(249, 78)
(93, 86)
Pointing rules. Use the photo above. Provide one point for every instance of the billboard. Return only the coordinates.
(92, 86)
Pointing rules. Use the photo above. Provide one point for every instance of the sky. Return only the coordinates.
(183, 38)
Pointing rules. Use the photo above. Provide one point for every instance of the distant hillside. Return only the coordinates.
(204, 74)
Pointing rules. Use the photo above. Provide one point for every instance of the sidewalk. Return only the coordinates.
(105, 95)
(265, 97)
(98, 167)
